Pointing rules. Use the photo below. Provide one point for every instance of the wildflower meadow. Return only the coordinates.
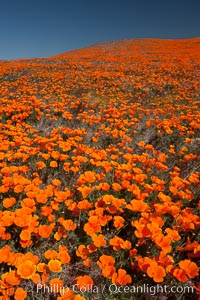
(100, 173)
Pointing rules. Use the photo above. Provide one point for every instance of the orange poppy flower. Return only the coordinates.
(26, 269)
(56, 284)
(84, 281)
(85, 190)
(98, 240)
(190, 268)
(143, 262)
(41, 267)
(156, 272)
(119, 243)
(50, 254)
(53, 164)
(141, 144)
(194, 178)
(66, 166)
(20, 258)
(25, 235)
(118, 222)
(9, 292)
(63, 255)
(55, 155)
(108, 271)
(55, 265)
(12, 278)
(23, 220)
(82, 251)
(105, 260)
(26, 244)
(104, 186)
(28, 202)
(20, 294)
(9, 202)
(116, 187)
(45, 276)
(18, 188)
(141, 229)
(40, 165)
(45, 230)
(7, 218)
(163, 197)
(179, 274)
(163, 242)
(92, 248)
(87, 262)
(36, 278)
(56, 182)
(92, 226)
(67, 294)
(67, 224)
(173, 234)
(46, 211)
(84, 205)
(138, 206)
(121, 277)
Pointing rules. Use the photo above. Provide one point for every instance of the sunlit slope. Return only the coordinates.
(134, 48)
(100, 172)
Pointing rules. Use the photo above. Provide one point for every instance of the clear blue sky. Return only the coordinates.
(41, 28)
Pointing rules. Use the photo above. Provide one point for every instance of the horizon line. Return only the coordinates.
(99, 43)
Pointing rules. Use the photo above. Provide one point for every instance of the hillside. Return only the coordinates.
(135, 47)
(99, 173)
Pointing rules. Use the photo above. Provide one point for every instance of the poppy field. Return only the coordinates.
(100, 172)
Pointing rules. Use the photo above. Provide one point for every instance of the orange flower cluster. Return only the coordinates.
(100, 168)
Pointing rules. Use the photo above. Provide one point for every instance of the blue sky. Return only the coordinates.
(33, 28)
